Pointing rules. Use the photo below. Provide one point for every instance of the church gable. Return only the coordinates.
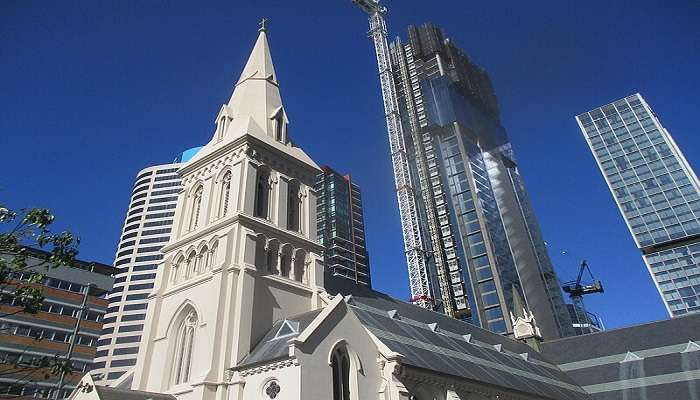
(309, 355)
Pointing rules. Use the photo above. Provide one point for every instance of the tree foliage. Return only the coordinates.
(30, 228)
(19, 231)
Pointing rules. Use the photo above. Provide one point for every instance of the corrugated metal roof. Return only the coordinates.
(433, 341)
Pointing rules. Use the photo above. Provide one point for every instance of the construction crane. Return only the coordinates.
(577, 290)
(416, 255)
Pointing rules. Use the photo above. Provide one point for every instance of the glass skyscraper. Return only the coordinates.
(485, 248)
(657, 192)
(341, 226)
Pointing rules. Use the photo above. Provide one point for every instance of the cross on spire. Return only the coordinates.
(263, 25)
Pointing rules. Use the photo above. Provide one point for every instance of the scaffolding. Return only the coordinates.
(416, 256)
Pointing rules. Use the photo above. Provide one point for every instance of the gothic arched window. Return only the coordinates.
(340, 365)
(298, 267)
(184, 348)
(225, 194)
(279, 128)
(191, 265)
(262, 193)
(285, 262)
(177, 269)
(196, 208)
(293, 207)
(204, 261)
(222, 127)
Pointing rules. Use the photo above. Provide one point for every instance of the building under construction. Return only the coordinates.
(483, 249)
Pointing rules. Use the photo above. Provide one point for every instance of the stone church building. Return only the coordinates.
(240, 309)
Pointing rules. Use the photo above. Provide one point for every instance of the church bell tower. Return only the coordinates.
(243, 252)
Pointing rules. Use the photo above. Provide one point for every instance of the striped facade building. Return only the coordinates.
(147, 228)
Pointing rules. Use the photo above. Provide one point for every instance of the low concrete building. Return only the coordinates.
(26, 338)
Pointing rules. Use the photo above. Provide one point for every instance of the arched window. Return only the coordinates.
(222, 127)
(204, 262)
(272, 256)
(340, 365)
(293, 207)
(184, 348)
(196, 208)
(262, 193)
(279, 128)
(299, 266)
(177, 269)
(191, 265)
(225, 194)
(285, 267)
(212, 257)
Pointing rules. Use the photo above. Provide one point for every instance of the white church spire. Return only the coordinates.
(259, 65)
(256, 96)
(255, 107)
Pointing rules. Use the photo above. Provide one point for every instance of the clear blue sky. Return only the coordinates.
(91, 92)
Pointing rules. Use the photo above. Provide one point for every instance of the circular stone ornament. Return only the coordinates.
(272, 389)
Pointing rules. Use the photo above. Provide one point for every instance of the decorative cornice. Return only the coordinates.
(287, 362)
(196, 235)
(287, 235)
(242, 145)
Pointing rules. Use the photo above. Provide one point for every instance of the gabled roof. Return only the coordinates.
(88, 390)
(110, 393)
(275, 344)
(435, 342)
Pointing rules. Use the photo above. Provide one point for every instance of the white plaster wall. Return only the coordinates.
(288, 379)
(314, 356)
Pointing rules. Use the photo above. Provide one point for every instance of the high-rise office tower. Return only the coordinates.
(147, 228)
(656, 191)
(341, 226)
(486, 252)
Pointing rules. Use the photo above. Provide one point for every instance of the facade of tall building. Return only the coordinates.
(147, 228)
(341, 226)
(656, 191)
(486, 249)
(26, 339)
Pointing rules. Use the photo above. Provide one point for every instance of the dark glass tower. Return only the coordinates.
(486, 250)
(657, 192)
(341, 226)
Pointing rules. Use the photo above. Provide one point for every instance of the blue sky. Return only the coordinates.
(91, 92)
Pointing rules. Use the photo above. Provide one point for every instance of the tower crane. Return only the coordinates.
(416, 255)
(576, 290)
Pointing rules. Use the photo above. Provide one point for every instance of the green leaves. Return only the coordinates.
(22, 270)
(20, 274)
